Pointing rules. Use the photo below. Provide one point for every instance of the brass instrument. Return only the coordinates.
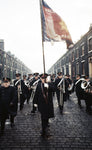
(81, 79)
(61, 87)
(33, 87)
(18, 84)
(27, 82)
(86, 86)
(70, 87)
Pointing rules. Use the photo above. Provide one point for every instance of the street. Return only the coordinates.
(71, 130)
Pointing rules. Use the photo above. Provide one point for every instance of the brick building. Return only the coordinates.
(9, 64)
(78, 58)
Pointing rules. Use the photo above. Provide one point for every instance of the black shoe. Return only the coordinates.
(80, 106)
(43, 135)
(32, 111)
(89, 111)
(46, 136)
(61, 111)
(12, 125)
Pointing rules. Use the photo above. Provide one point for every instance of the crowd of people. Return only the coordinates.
(41, 89)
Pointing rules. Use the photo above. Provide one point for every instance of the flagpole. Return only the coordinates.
(40, 2)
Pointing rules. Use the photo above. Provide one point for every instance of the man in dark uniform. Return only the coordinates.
(8, 103)
(78, 89)
(33, 85)
(44, 99)
(87, 86)
(27, 93)
(57, 81)
(69, 84)
(21, 89)
(61, 85)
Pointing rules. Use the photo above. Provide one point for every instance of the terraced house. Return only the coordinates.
(9, 64)
(78, 58)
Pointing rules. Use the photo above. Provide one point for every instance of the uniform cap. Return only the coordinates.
(30, 74)
(24, 75)
(59, 73)
(36, 74)
(43, 75)
(6, 79)
(17, 74)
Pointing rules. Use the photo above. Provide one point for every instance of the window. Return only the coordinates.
(77, 68)
(77, 53)
(82, 50)
(73, 71)
(83, 68)
(72, 56)
(90, 44)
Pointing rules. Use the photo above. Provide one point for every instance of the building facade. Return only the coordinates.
(10, 65)
(78, 58)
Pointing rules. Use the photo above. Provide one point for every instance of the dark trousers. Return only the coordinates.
(3, 124)
(34, 108)
(28, 95)
(79, 97)
(11, 119)
(2, 121)
(44, 124)
(88, 102)
(58, 99)
(22, 100)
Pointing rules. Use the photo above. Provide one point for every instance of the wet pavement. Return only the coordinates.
(71, 130)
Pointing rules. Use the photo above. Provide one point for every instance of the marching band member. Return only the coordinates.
(60, 90)
(33, 85)
(86, 85)
(8, 103)
(44, 99)
(30, 79)
(27, 88)
(78, 89)
(53, 81)
(20, 88)
(69, 86)
(58, 79)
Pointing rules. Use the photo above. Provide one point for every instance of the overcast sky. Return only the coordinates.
(20, 27)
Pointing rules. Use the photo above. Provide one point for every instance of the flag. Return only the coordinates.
(53, 27)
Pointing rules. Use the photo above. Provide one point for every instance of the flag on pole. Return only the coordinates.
(53, 27)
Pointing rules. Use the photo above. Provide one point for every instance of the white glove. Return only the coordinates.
(46, 85)
(35, 105)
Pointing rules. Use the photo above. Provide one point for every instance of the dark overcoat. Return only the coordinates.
(58, 90)
(45, 107)
(79, 90)
(7, 96)
(23, 89)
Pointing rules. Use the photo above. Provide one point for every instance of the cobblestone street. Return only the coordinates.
(70, 131)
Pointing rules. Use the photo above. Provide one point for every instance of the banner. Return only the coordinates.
(53, 27)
